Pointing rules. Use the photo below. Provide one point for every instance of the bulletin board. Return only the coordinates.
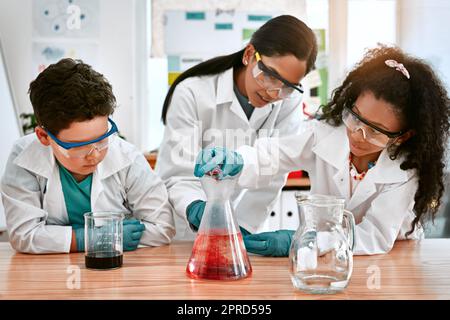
(221, 8)
(194, 36)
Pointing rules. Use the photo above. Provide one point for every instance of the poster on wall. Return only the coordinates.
(64, 29)
(66, 18)
(46, 53)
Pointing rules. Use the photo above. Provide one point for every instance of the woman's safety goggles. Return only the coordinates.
(83, 149)
(274, 84)
(371, 133)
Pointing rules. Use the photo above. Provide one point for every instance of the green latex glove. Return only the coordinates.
(132, 233)
(209, 160)
(274, 244)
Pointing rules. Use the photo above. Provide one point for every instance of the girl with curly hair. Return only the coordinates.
(379, 143)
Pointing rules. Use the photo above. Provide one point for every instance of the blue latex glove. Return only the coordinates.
(79, 237)
(132, 233)
(195, 213)
(275, 244)
(229, 162)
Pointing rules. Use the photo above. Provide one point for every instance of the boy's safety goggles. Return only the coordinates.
(371, 133)
(274, 84)
(85, 148)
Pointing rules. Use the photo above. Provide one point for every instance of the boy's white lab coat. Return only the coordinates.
(35, 210)
(382, 203)
(204, 112)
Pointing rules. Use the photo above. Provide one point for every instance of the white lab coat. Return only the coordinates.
(35, 209)
(204, 112)
(382, 202)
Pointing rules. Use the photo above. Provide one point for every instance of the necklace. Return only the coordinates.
(354, 173)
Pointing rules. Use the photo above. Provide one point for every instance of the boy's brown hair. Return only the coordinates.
(70, 91)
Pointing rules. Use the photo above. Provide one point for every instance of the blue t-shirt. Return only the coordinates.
(243, 101)
(77, 196)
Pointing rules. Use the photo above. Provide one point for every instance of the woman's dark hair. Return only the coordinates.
(70, 91)
(280, 36)
(421, 102)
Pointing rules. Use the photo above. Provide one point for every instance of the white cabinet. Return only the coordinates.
(289, 211)
(272, 222)
(284, 214)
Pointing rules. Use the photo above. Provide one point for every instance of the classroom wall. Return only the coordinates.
(423, 31)
(116, 54)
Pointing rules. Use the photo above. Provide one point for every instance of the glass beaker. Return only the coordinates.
(103, 240)
(321, 253)
(219, 252)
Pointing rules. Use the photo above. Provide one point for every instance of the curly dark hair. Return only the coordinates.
(421, 102)
(70, 91)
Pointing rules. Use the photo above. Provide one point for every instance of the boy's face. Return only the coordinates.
(78, 132)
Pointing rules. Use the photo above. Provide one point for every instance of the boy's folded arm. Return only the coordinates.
(148, 199)
(25, 218)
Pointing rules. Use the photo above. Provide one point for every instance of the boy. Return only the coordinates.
(74, 164)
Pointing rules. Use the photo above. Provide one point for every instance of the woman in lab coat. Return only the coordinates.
(231, 101)
(380, 145)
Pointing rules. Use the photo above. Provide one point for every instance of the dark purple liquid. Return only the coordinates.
(104, 260)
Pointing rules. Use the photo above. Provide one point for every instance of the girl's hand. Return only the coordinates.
(218, 162)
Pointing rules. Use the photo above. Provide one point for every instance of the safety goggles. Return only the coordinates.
(274, 84)
(83, 149)
(371, 133)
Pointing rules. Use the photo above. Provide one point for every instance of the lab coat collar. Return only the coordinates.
(334, 149)
(225, 95)
(115, 160)
(40, 160)
(36, 157)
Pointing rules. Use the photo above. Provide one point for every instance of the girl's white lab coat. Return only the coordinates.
(204, 112)
(35, 210)
(382, 203)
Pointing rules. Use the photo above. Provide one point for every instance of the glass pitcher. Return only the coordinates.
(219, 252)
(321, 253)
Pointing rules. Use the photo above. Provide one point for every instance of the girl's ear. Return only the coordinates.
(404, 137)
(249, 54)
(42, 136)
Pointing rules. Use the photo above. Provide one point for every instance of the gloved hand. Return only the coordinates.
(194, 213)
(275, 244)
(229, 162)
(132, 233)
(79, 237)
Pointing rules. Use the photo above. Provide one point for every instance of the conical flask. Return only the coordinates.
(219, 252)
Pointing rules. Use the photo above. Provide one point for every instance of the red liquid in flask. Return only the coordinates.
(219, 257)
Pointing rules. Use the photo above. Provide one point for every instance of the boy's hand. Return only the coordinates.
(132, 233)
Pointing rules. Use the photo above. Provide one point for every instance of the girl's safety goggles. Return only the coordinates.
(274, 84)
(371, 132)
(83, 149)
